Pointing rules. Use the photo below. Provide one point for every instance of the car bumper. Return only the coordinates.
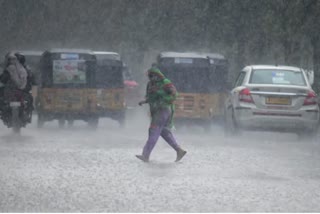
(277, 121)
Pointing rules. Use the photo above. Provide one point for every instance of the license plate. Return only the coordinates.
(15, 104)
(278, 100)
(70, 99)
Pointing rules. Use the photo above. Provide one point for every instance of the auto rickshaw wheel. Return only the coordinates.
(93, 122)
(61, 123)
(40, 121)
(122, 120)
(122, 123)
(70, 123)
(37, 104)
(207, 126)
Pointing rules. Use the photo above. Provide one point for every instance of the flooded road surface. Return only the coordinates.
(79, 170)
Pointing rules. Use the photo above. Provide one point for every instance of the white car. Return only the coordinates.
(272, 98)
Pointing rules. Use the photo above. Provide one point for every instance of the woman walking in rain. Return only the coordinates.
(160, 96)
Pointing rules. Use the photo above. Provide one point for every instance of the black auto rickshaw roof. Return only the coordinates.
(69, 54)
(217, 59)
(188, 59)
(77, 51)
(105, 58)
(29, 52)
(107, 55)
(215, 56)
(181, 55)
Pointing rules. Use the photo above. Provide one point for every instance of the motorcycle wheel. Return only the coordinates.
(16, 125)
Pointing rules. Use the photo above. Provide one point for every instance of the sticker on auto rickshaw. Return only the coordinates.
(69, 56)
(69, 71)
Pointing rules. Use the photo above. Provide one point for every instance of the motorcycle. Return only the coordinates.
(16, 113)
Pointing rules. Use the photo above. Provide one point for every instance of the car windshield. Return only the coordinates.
(277, 77)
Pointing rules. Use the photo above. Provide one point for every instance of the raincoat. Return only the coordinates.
(160, 96)
(14, 75)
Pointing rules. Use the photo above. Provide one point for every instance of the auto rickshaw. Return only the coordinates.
(67, 87)
(110, 86)
(199, 80)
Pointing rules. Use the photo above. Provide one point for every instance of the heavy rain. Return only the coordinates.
(225, 91)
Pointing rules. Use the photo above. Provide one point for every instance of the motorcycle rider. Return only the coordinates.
(14, 78)
(30, 82)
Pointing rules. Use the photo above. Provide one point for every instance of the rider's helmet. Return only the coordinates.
(10, 58)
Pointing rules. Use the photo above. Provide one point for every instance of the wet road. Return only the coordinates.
(78, 170)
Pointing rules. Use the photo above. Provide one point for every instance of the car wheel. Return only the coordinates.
(307, 135)
(230, 127)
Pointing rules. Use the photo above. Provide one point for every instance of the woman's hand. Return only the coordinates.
(142, 102)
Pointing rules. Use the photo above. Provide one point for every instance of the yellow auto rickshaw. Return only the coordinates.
(200, 81)
(67, 87)
(110, 86)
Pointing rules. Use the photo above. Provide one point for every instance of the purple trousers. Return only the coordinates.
(159, 126)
